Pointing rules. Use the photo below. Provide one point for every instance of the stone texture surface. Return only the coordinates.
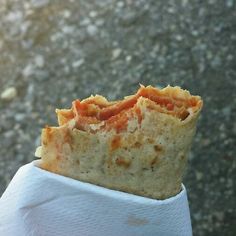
(55, 51)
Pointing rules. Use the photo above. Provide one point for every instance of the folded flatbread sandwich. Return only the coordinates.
(137, 145)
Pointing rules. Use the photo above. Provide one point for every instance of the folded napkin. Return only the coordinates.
(38, 202)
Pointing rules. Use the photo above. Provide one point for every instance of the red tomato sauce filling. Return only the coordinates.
(91, 111)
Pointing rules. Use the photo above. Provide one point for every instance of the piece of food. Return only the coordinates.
(137, 145)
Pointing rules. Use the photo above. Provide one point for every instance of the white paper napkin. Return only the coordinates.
(38, 202)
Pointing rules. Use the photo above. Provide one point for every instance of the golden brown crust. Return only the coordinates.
(146, 158)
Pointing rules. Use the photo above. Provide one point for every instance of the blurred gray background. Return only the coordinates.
(52, 52)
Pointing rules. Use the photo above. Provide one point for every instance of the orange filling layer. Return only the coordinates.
(94, 111)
